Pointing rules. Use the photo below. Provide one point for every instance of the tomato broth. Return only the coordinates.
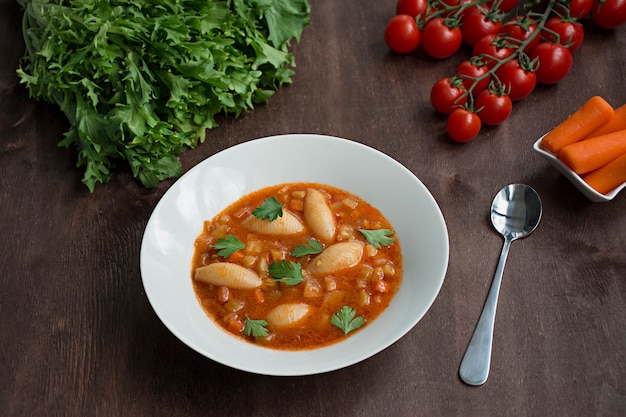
(319, 244)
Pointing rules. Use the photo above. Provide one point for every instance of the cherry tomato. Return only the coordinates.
(447, 94)
(402, 34)
(493, 108)
(463, 125)
(521, 29)
(439, 40)
(517, 81)
(555, 61)
(608, 14)
(570, 33)
(477, 23)
(492, 48)
(411, 7)
(469, 71)
(578, 9)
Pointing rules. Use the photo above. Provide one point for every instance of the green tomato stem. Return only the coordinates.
(519, 49)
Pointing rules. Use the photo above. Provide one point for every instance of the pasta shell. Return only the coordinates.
(229, 275)
(336, 257)
(318, 215)
(286, 315)
(288, 224)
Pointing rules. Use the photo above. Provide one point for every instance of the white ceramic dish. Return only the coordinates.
(574, 178)
(205, 190)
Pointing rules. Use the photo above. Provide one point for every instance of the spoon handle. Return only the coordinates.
(475, 364)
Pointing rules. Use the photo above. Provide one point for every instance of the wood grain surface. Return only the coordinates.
(78, 336)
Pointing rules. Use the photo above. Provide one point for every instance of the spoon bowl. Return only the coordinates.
(515, 213)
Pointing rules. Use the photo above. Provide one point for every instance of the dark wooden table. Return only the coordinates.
(79, 338)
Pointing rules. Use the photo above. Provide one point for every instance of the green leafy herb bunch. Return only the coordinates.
(141, 81)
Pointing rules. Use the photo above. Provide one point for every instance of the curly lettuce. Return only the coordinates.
(140, 81)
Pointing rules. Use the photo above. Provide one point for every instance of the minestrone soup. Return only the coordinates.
(296, 266)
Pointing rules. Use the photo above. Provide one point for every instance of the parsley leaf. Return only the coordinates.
(255, 328)
(228, 245)
(378, 237)
(270, 209)
(345, 319)
(312, 248)
(285, 271)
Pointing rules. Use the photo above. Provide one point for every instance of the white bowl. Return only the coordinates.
(167, 246)
(574, 178)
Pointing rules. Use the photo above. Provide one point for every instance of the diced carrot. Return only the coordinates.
(296, 205)
(617, 122)
(609, 176)
(235, 256)
(259, 297)
(235, 326)
(590, 154)
(590, 116)
(381, 286)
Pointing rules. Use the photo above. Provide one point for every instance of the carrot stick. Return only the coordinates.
(590, 154)
(608, 177)
(617, 122)
(590, 116)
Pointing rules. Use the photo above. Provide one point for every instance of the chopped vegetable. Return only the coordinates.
(590, 116)
(617, 122)
(270, 209)
(345, 319)
(288, 272)
(256, 328)
(228, 245)
(141, 81)
(313, 247)
(609, 176)
(378, 237)
(590, 154)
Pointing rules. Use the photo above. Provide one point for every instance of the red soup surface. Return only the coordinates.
(296, 266)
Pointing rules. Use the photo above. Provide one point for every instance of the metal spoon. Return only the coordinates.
(515, 213)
